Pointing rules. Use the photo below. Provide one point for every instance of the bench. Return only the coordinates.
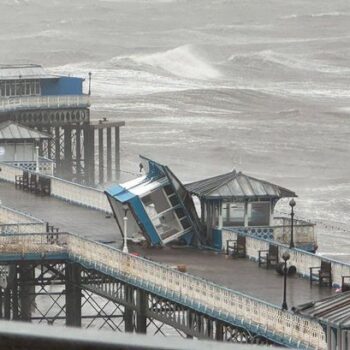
(25, 180)
(236, 247)
(19, 181)
(33, 180)
(323, 274)
(269, 257)
(43, 186)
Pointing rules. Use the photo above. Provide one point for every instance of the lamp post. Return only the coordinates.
(285, 257)
(292, 205)
(125, 220)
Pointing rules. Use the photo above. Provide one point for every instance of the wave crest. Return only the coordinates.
(182, 61)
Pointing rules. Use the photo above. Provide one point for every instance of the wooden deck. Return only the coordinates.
(239, 274)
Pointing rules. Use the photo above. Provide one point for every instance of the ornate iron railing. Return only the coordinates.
(8, 104)
(220, 302)
(14, 222)
(46, 166)
(303, 232)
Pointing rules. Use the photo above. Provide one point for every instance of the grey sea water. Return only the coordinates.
(206, 86)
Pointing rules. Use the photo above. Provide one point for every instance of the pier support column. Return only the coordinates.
(128, 312)
(109, 154)
(89, 155)
(49, 145)
(73, 295)
(57, 150)
(11, 295)
(26, 290)
(141, 319)
(1, 303)
(100, 157)
(78, 152)
(67, 152)
(189, 323)
(117, 152)
(219, 334)
(7, 303)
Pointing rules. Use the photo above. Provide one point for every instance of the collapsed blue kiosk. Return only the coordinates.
(157, 206)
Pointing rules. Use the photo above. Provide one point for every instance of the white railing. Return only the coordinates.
(66, 190)
(8, 104)
(79, 194)
(22, 228)
(301, 259)
(304, 232)
(13, 216)
(9, 172)
(32, 244)
(14, 221)
(193, 291)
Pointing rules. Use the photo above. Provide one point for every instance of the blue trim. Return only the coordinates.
(119, 193)
(33, 256)
(217, 238)
(61, 86)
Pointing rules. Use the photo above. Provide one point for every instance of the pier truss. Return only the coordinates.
(64, 292)
(84, 151)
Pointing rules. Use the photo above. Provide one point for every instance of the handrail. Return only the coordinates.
(226, 304)
(40, 102)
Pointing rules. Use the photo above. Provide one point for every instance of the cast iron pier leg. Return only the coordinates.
(26, 290)
(128, 312)
(73, 295)
(141, 319)
(109, 154)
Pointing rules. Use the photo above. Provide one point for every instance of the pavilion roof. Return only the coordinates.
(333, 310)
(11, 130)
(237, 186)
(24, 71)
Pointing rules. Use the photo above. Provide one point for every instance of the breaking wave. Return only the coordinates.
(182, 61)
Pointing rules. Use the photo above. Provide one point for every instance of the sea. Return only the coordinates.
(208, 86)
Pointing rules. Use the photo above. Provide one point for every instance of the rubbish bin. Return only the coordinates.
(292, 270)
(280, 268)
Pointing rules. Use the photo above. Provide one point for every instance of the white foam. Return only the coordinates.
(182, 61)
(300, 62)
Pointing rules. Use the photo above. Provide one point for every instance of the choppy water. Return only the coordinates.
(210, 85)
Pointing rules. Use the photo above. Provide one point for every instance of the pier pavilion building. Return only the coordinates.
(83, 150)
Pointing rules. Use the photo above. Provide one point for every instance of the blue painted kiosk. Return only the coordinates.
(157, 206)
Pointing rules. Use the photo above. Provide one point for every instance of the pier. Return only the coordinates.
(220, 297)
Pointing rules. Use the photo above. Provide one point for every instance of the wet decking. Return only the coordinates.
(238, 274)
